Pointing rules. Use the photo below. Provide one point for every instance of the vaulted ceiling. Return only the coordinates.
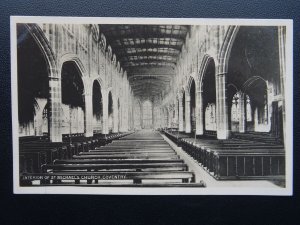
(148, 53)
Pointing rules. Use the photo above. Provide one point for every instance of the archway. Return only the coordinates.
(253, 69)
(73, 102)
(33, 82)
(193, 105)
(209, 97)
(97, 108)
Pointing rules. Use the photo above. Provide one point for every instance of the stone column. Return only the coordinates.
(115, 116)
(105, 113)
(221, 107)
(242, 119)
(188, 127)
(88, 115)
(180, 115)
(170, 116)
(54, 110)
(199, 113)
(176, 113)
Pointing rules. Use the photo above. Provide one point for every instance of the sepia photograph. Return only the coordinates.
(158, 106)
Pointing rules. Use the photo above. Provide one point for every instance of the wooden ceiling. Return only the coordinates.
(148, 53)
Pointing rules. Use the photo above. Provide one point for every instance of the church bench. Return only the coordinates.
(96, 167)
(234, 162)
(63, 151)
(49, 152)
(228, 164)
(125, 157)
(116, 161)
(129, 154)
(141, 142)
(132, 151)
(31, 161)
(137, 177)
(261, 137)
(131, 147)
(25, 139)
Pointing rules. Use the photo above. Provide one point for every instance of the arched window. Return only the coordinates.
(248, 109)
(45, 120)
(147, 114)
(235, 108)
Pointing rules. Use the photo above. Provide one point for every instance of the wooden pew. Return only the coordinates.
(132, 150)
(57, 168)
(116, 161)
(32, 161)
(238, 161)
(125, 157)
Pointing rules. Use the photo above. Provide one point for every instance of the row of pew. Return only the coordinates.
(141, 159)
(35, 151)
(236, 158)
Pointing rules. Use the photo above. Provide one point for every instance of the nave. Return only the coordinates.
(142, 158)
(104, 92)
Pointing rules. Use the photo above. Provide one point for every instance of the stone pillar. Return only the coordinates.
(242, 119)
(115, 116)
(88, 115)
(180, 115)
(105, 113)
(54, 110)
(221, 107)
(170, 116)
(176, 113)
(188, 126)
(199, 114)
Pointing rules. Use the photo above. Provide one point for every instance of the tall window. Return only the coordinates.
(147, 114)
(235, 108)
(248, 109)
(137, 115)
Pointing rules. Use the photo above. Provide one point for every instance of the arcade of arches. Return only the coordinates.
(115, 78)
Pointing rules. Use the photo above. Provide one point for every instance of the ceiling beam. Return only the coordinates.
(147, 60)
(159, 70)
(148, 64)
(116, 39)
(148, 53)
(146, 46)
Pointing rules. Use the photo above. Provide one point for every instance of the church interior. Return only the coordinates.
(149, 105)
